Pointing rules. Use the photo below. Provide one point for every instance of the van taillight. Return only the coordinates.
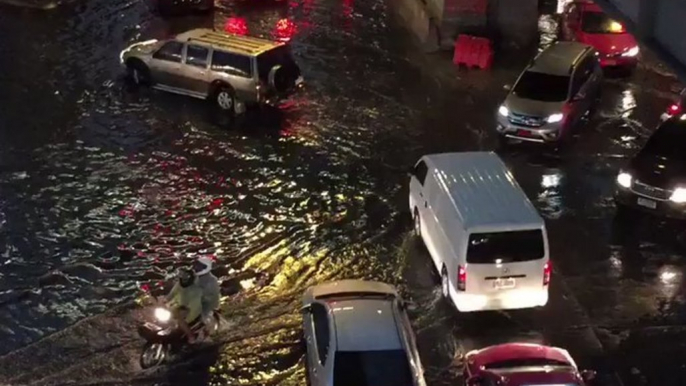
(547, 270)
(461, 278)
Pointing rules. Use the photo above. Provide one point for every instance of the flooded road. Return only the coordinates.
(105, 191)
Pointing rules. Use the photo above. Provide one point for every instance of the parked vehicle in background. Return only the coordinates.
(358, 333)
(554, 94)
(485, 238)
(585, 22)
(183, 7)
(654, 180)
(676, 108)
(228, 70)
(523, 364)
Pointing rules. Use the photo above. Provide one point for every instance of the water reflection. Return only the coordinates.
(670, 281)
(627, 103)
(550, 196)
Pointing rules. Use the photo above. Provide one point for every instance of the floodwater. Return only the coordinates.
(105, 191)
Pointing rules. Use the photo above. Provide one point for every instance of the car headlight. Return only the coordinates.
(678, 196)
(554, 118)
(631, 52)
(624, 179)
(162, 314)
(504, 111)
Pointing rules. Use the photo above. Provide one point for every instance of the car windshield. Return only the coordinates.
(542, 87)
(372, 368)
(267, 60)
(600, 23)
(524, 362)
(668, 141)
(508, 247)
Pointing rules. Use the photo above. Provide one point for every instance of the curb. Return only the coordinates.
(40, 5)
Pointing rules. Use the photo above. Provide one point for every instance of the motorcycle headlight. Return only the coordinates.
(678, 196)
(631, 52)
(624, 179)
(162, 314)
(555, 118)
(504, 111)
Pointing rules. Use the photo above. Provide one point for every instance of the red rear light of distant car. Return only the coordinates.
(461, 278)
(674, 109)
(547, 270)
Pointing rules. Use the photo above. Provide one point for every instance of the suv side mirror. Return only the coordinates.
(306, 309)
(588, 375)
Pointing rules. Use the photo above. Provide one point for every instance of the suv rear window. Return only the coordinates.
(267, 60)
(510, 247)
(371, 368)
(542, 87)
(600, 23)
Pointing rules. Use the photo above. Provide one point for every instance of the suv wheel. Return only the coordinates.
(225, 99)
(138, 72)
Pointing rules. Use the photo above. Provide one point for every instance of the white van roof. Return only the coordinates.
(483, 191)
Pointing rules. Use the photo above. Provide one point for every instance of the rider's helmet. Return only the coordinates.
(186, 277)
(202, 266)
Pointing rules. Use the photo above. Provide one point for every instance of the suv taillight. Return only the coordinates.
(461, 278)
(674, 109)
(547, 270)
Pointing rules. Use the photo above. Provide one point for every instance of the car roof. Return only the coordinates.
(503, 352)
(482, 190)
(365, 325)
(559, 58)
(235, 43)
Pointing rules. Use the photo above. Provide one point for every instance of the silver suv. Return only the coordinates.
(357, 333)
(554, 94)
(228, 70)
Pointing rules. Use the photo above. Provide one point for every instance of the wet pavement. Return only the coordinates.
(105, 190)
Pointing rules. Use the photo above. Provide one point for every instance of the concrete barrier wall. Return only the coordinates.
(670, 28)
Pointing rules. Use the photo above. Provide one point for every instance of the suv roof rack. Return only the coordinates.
(245, 44)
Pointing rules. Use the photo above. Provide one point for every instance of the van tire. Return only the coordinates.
(417, 221)
(445, 283)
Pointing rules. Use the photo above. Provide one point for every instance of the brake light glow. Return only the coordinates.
(461, 278)
(284, 30)
(674, 109)
(547, 270)
(236, 26)
(616, 27)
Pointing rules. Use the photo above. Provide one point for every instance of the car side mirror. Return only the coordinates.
(588, 375)
(306, 309)
(475, 381)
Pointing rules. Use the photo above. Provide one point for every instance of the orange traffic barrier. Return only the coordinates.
(473, 51)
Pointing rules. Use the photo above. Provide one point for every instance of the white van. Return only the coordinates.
(485, 237)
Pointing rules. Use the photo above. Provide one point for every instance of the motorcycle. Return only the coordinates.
(164, 337)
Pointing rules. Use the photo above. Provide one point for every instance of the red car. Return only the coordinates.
(523, 364)
(585, 22)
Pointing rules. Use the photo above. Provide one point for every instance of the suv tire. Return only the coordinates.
(282, 78)
(138, 72)
(224, 98)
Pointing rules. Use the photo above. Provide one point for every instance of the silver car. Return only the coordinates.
(357, 333)
(228, 70)
(552, 96)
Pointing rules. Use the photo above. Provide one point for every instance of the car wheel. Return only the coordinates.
(445, 283)
(417, 224)
(138, 73)
(153, 354)
(225, 99)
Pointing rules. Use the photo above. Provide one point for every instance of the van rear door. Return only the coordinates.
(502, 261)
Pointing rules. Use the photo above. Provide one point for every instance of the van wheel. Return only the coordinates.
(445, 283)
(417, 224)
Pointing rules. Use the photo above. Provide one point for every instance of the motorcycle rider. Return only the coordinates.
(210, 290)
(185, 301)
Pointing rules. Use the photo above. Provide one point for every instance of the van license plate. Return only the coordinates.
(647, 203)
(504, 283)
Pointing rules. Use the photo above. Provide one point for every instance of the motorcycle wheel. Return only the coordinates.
(153, 355)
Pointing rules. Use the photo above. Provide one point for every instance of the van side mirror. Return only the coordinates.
(588, 375)
(306, 309)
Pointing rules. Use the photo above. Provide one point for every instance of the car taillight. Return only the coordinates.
(461, 278)
(674, 109)
(547, 270)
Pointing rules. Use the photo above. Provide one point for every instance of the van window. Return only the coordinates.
(420, 171)
(509, 247)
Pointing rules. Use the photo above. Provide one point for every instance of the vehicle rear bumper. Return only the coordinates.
(665, 208)
(619, 61)
(509, 300)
